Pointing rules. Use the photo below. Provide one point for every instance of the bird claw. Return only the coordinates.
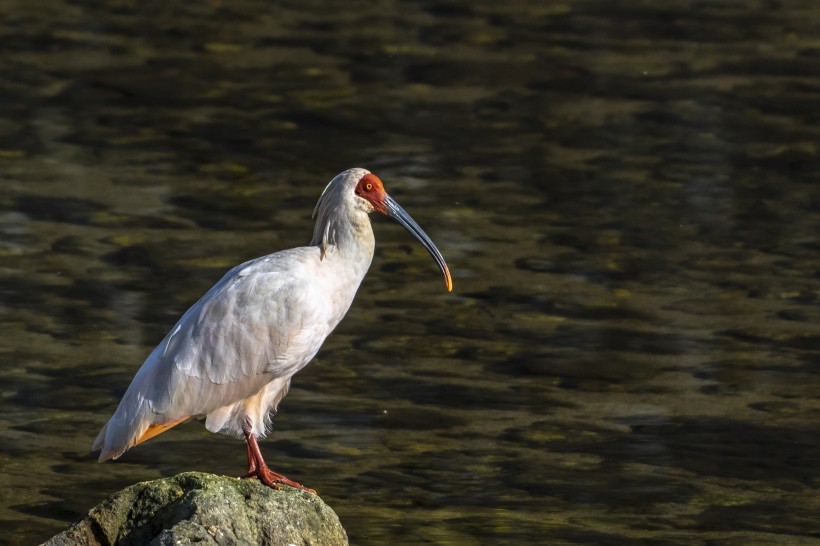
(273, 479)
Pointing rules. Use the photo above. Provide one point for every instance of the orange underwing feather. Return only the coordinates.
(154, 430)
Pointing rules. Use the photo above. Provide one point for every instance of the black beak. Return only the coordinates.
(394, 211)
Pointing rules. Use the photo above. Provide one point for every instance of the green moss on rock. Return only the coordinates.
(205, 509)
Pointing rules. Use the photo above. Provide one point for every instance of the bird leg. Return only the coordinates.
(257, 468)
(251, 459)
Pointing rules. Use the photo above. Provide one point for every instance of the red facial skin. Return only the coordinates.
(371, 188)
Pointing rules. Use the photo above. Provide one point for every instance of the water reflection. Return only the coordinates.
(626, 194)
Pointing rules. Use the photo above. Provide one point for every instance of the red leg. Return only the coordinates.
(251, 461)
(257, 468)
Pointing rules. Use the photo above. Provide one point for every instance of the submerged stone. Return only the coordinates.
(206, 509)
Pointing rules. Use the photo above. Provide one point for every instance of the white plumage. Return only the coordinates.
(231, 356)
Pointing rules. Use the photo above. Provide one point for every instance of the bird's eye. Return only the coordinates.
(368, 186)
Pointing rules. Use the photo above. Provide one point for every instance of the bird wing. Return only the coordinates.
(265, 319)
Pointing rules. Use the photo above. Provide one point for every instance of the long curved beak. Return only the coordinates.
(394, 211)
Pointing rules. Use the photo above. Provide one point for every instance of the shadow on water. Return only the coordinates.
(626, 193)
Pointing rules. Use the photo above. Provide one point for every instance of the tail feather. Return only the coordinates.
(100, 440)
(114, 440)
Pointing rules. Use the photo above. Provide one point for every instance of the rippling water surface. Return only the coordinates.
(627, 193)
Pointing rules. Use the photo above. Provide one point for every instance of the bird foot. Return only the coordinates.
(273, 479)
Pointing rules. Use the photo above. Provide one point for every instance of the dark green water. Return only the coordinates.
(627, 192)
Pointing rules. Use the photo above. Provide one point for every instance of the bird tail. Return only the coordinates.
(114, 445)
(100, 441)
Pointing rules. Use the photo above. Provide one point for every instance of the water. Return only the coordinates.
(627, 193)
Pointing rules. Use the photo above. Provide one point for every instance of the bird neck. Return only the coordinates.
(346, 234)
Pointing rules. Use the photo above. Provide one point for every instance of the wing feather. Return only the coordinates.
(262, 321)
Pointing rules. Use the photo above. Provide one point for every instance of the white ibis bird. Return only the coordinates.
(231, 356)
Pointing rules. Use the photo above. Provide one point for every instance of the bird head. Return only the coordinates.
(370, 189)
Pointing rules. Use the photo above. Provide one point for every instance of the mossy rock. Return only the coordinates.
(205, 509)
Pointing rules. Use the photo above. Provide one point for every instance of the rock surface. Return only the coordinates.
(205, 509)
